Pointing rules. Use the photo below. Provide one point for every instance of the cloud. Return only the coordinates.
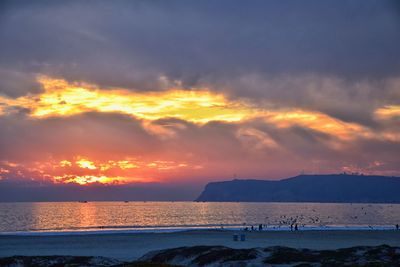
(338, 58)
(127, 44)
(387, 112)
(204, 90)
(200, 132)
(62, 99)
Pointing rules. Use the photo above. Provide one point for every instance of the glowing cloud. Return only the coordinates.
(318, 122)
(84, 163)
(82, 170)
(61, 98)
(90, 179)
(387, 112)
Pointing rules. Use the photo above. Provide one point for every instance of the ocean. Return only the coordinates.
(110, 217)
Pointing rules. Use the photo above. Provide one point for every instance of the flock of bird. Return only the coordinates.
(315, 220)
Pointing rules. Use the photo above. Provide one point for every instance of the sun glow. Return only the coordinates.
(84, 163)
(90, 179)
(85, 170)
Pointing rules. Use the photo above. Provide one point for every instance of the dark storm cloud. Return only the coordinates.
(348, 100)
(131, 43)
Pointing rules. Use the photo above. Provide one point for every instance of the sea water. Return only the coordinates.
(109, 217)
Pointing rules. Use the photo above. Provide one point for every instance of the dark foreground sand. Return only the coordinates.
(133, 246)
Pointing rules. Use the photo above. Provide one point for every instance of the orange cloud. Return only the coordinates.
(82, 170)
(86, 164)
(102, 179)
(387, 112)
(318, 122)
(61, 98)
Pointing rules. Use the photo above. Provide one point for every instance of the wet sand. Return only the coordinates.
(131, 246)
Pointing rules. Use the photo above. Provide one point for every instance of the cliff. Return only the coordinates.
(307, 188)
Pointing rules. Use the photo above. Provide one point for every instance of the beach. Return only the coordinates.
(131, 246)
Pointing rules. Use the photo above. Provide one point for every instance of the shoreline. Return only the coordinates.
(131, 246)
(137, 230)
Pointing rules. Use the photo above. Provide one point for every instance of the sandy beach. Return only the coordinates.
(133, 246)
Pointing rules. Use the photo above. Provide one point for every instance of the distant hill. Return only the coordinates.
(307, 188)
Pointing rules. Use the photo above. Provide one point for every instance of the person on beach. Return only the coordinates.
(291, 227)
(397, 226)
(260, 227)
(296, 228)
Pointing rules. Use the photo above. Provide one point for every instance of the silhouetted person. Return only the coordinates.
(296, 228)
(291, 227)
(260, 227)
(252, 228)
(397, 226)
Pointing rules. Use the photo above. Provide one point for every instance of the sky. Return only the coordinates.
(158, 98)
